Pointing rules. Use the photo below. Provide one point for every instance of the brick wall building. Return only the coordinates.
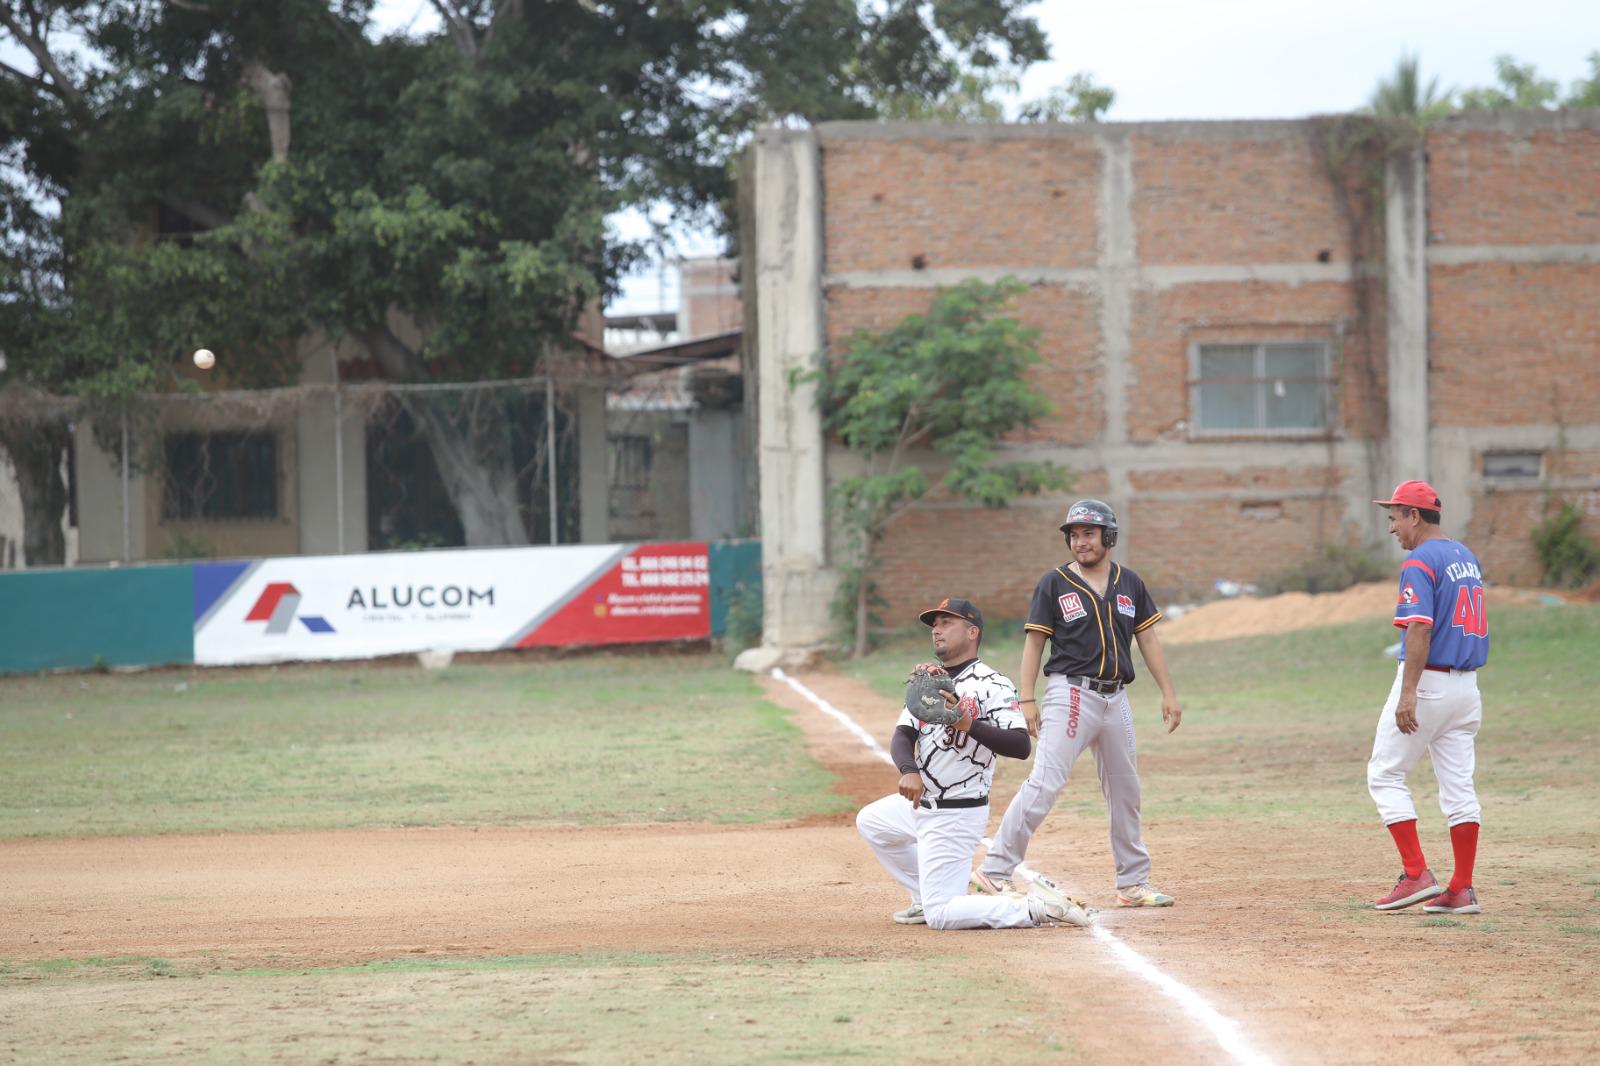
(1250, 331)
(708, 297)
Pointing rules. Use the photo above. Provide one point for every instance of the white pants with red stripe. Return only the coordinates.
(1070, 720)
(1449, 712)
(930, 853)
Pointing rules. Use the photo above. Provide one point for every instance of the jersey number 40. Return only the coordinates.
(1469, 614)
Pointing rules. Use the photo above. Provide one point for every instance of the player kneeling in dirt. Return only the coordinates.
(927, 833)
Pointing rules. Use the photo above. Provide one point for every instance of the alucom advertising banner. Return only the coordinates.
(361, 606)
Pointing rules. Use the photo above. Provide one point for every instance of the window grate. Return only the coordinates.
(1261, 390)
(220, 475)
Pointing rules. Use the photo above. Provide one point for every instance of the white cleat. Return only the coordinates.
(1048, 905)
(1142, 895)
(912, 915)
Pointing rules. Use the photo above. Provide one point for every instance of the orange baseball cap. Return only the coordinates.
(1418, 494)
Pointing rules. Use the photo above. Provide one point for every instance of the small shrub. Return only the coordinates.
(420, 543)
(845, 604)
(1337, 568)
(1571, 558)
(743, 626)
(184, 546)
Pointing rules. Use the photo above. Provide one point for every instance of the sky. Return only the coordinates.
(1214, 59)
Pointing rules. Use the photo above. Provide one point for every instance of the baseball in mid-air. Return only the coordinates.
(204, 359)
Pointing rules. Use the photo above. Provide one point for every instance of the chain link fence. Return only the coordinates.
(640, 453)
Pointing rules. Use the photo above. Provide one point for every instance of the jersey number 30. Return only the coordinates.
(1469, 612)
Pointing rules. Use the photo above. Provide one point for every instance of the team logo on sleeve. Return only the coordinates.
(1125, 605)
(1071, 607)
(1408, 596)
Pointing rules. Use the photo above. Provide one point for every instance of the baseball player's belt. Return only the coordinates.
(1094, 684)
(952, 804)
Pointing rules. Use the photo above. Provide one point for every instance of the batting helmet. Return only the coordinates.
(1093, 513)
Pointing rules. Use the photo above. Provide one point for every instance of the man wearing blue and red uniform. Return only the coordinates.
(1434, 705)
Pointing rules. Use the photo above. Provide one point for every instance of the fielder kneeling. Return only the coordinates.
(927, 833)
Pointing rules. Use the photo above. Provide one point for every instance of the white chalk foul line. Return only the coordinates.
(831, 711)
(1224, 1029)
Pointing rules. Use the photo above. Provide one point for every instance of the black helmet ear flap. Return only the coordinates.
(1108, 537)
(1091, 513)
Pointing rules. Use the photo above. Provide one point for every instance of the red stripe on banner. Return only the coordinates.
(1420, 565)
(656, 592)
(268, 602)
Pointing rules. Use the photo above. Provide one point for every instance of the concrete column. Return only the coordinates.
(594, 466)
(1116, 269)
(716, 483)
(100, 515)
(797, 582)
(330, 431)
(1405, 222)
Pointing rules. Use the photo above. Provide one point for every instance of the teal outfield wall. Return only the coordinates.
(732, 564)
(77, 619)
(146, 615)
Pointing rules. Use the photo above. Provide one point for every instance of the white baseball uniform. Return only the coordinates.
(929, 848)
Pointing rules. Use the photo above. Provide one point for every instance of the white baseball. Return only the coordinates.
(204, 359)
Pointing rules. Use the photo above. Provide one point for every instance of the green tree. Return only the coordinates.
(1518, 87)
(951, 380)
(1078, 99)
(242, 173)
(32, 434)
(1405, 95)
(1585, 92)
(979, 94)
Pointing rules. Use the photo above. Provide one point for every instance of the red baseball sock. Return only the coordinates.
(1405, 838)
(1464, 839)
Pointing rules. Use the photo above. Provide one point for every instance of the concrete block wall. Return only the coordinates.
(708, 295)
(1514, 322)
(1479, 331)
(1139, 242)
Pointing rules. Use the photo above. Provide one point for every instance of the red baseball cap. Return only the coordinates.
(1418, 494)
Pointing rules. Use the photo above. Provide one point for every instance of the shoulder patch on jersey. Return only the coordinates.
(1125, 605)
(1071, 607)
(1408, 595)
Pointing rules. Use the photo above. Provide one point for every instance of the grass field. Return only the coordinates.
(1278, 728)
(1275, 736)
(598, 739)
(588, 1009)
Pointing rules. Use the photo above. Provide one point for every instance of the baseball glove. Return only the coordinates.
(925, 690)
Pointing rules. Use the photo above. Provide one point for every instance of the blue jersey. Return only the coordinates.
(1441, 585)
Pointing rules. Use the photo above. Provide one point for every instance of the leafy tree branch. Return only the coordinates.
(951, 381)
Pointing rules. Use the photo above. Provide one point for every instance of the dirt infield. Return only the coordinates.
(1264, 929)
(1250, 615)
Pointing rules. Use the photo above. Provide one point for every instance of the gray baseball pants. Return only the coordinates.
(1072, 719)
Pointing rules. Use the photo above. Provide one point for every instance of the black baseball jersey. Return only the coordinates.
(1089, 635)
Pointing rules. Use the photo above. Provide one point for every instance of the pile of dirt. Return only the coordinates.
(1590, 594)
(1251, 615)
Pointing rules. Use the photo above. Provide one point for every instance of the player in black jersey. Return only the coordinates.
(1090, 612)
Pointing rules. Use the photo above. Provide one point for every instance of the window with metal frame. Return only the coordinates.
(221, 475)
(1513, 466)
(1274, 389)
